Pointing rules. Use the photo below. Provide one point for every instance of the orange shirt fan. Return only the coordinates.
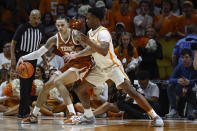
(25, 70)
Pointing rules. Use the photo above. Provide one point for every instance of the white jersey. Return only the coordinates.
(99, 35)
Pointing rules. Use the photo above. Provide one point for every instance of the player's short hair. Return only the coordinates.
(98, 12)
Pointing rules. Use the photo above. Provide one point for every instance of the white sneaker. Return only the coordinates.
(86, 120)
(173, 113)
(158, 122)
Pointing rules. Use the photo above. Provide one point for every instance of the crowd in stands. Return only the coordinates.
(150, 38)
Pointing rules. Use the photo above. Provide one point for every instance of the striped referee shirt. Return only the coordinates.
(28, 37)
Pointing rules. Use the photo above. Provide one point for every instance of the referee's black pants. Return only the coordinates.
(25, 88)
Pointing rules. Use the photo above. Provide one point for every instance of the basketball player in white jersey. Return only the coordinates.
(107, 67)
(66, 42)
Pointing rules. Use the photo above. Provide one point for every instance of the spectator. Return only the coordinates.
(5, 61)
(142, 20)
(27, 38)
(183, 78)
(183, 43)
(150, 90)
(125, 16)
(98, 96)
(127, 54)
(150, 51)
(165, 22)
(49, 25)
(120, 27)
(53, 60)
(186, 19)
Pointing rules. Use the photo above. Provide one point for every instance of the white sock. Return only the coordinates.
(70, 108)
(152, 113)
(88, 112)
(36, 111)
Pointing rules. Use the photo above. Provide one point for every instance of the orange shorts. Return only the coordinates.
(82, 66)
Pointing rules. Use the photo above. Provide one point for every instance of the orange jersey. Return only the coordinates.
(182, 22)
(127, 20)
(82, 64)
(125, 55)
(168, 24)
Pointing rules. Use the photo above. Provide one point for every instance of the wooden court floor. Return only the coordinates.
(9, 123)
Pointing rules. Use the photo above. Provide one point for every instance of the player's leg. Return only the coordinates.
(81, 91)
(120, 78)
(68, 77)
(94, 78)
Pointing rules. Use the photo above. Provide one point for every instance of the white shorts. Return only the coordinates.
(98, 76)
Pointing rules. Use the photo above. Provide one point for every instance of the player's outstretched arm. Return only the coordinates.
(38, 53)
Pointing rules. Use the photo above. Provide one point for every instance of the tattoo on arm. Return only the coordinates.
(85, 52)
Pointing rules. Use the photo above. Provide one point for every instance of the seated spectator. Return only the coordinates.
(183, 78)
(125, 16)
(150, 91)
(110, 107)
(3, 76)
(5, 56)
(143, 20)
(49, 25)
(127, 54)
(150, 51)
(98, 96)
(187, 18)
(52, 60)
(12, 92)
(184, 43)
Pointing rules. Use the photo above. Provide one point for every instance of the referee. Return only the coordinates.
(27, 38)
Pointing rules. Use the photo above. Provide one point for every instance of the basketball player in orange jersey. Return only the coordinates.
(107, 67)
(66, 42)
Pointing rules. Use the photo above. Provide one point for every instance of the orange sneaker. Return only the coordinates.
(71, 119)
(30, 119)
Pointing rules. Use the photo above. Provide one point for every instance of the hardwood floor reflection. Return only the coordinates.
(56, 124)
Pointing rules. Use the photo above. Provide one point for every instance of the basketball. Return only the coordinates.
(25, 70)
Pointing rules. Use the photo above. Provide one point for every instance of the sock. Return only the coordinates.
(36, 111)
(70, 108)
(152, 113)
(88, 112)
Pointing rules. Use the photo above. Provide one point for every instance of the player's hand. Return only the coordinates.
(84, 38)
(20, 61)
(68, 57)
